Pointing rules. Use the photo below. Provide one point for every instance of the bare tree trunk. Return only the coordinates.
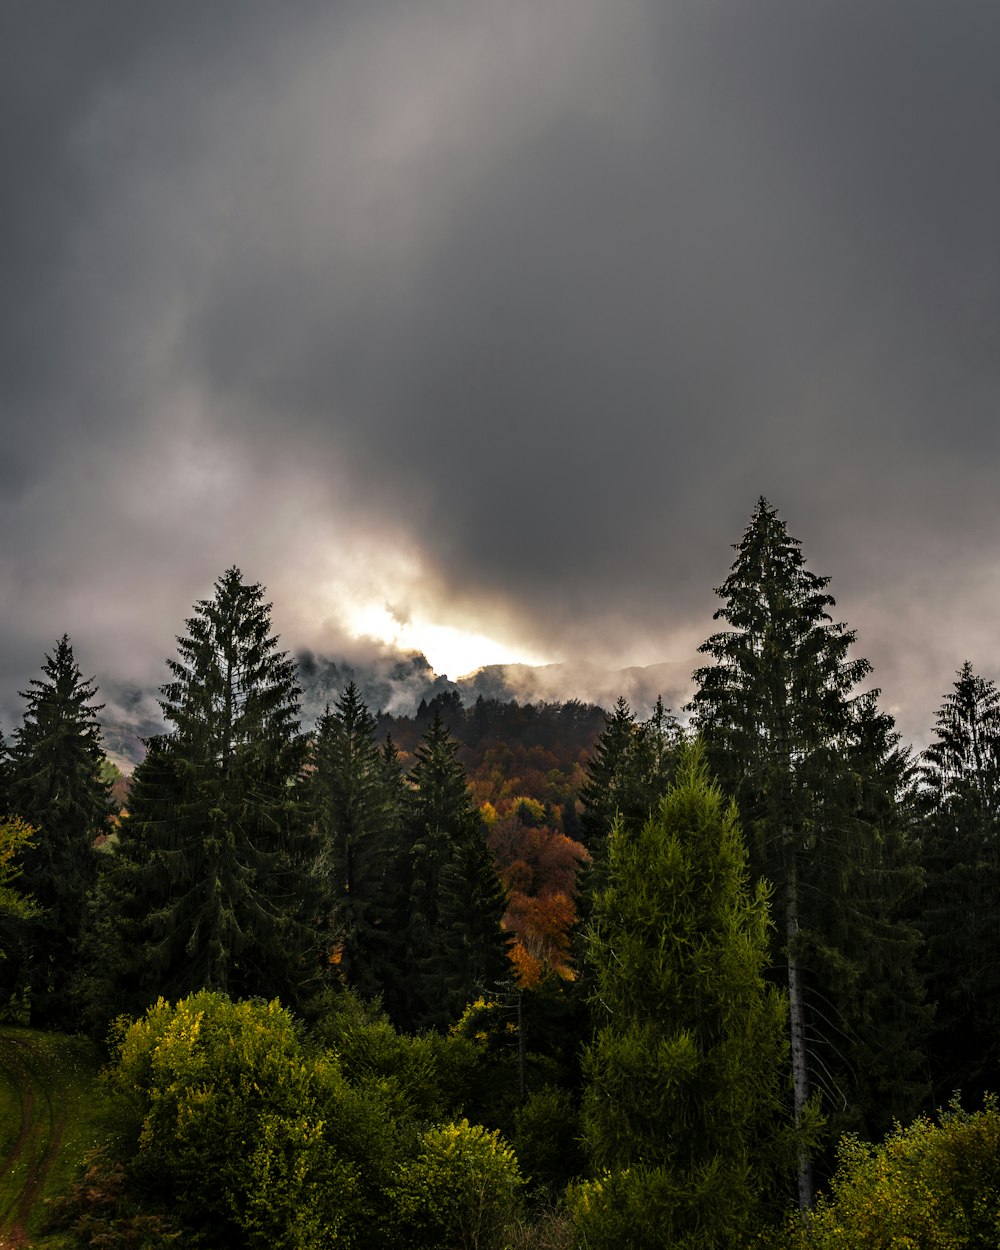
(796, 1017)
(521, 1052)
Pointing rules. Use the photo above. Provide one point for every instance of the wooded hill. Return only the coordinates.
(785, 918)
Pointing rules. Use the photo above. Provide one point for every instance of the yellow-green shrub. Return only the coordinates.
(649, 1208)
(459, 1193)
(243, 1131)
(926, 1187)
(426, 1078)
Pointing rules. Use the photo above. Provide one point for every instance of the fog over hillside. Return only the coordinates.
(398, 684)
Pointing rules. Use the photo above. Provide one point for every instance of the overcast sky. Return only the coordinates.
(498, 316)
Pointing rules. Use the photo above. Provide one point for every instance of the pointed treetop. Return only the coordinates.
(782, 636)
(966, 751)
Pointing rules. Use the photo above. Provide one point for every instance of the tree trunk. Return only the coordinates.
(796, 1017)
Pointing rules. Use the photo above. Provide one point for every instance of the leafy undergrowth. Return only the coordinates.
(53, 1113)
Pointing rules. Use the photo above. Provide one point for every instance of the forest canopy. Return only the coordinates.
(605, 978)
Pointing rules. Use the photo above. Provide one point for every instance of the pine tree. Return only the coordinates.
(56, 786)
(393, 976)
(629, 771)
(446, 947)
(627, 775)
(961, 906)
(212, 867)
(357, 823)
(684, 1076)
(121, 972)
(877, 988)
(612, 787)
(805, 754)
(473, 902)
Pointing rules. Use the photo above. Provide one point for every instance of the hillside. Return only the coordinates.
(53, 1112)
(397, 685)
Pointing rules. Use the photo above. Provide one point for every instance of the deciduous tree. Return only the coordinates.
(15, 838)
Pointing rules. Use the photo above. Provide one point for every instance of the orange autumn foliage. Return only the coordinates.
(547, 861)
(539, 868)
(543, 927)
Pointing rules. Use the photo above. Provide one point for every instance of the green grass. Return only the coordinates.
(53, 1111)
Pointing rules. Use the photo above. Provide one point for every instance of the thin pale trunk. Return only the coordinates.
(796, 1016)
(521, 1052)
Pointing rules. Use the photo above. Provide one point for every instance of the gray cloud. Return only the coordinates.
(504, 312)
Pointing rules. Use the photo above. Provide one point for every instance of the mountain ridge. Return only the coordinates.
(398, 683)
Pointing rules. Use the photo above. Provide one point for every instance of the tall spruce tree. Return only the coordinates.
(961, 906)
(812, 765)
(394, 981)
(685, 1094)
(211, 878)
(627, 775)
(56, 786)
(358, 824)
(614, 785)
(453, 902)
(473, 902)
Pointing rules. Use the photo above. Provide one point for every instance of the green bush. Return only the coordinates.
(649, 1208)
(459, 1193)
(422, 1078)
(547, 1140)
(926, 1187)
(243, 1131)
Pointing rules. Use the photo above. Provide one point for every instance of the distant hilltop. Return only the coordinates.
(397, 685)
(590, 683)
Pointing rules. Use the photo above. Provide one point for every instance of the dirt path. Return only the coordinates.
(35, 1148)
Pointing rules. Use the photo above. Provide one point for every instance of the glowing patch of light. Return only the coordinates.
(450, 651)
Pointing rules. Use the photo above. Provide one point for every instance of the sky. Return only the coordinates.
(479, 328)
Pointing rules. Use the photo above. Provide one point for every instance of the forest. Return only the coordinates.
(536, 976)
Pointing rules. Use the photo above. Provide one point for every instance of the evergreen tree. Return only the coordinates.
(446, 947)
(357, 820)
(627, 775)
(629, 771)
(811, 763)
(211, 874)
(961, 906)
(473, 902)
(394, 789)
(612, 788)
(394, 981)
(121, 973)
(56, 787)
(877, 989)
(684, 1076)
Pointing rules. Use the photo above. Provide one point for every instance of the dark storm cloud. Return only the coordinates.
(536, 298)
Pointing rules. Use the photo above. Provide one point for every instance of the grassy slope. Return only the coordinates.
(53, 1111)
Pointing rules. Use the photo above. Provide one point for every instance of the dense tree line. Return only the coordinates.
(789, 922)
